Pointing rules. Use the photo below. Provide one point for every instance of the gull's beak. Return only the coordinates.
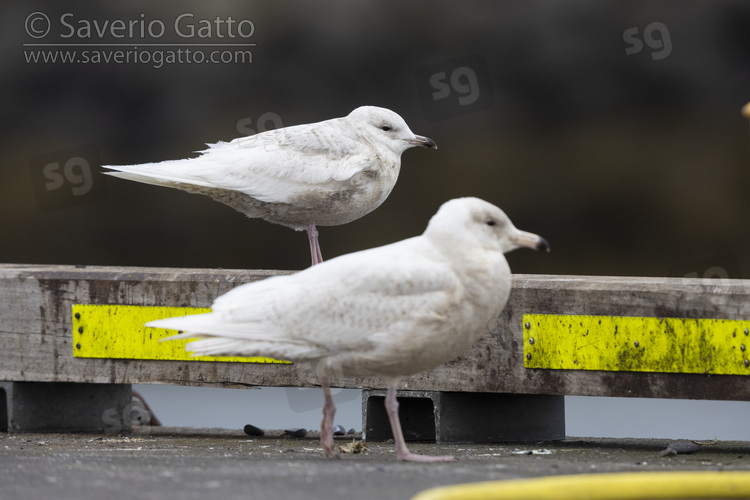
(529, 240)
(422, 142)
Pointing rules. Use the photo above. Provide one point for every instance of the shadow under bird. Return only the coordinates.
(389, 311)
(320, 174)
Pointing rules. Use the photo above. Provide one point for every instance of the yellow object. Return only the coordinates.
(746, 110)
(621, 343)
(118, 332)
(616, 486)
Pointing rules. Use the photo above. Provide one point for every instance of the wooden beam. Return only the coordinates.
(36, 337)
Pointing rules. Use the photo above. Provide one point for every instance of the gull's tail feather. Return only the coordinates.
(218, 346)
(211, 324)
(218, 338)
(169, 173)
(130, 176)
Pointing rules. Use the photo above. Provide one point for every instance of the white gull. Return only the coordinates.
(320, 174)
(389, 311)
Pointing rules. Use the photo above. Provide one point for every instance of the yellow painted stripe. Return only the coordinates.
(606, 486)
(621, 343)
(118, 332)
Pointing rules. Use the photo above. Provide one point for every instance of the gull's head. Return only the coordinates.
(384, 127)
(481, 224)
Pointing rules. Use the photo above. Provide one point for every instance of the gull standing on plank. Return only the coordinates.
(389, 311)
(320, 174)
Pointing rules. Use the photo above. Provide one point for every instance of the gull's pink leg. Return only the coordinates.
(312, 235)
(402, 452)
(326, 426)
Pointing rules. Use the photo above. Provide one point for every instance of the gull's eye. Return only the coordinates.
(385, 128)
(490, 222)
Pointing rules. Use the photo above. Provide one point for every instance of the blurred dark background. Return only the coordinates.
(613, 129)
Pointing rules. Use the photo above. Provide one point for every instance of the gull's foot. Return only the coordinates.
(413, 457)
(328, 448)
(328, 451)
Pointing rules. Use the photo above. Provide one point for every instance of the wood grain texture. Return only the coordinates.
(36, 338)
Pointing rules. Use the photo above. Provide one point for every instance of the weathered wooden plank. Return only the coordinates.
(35, 322)
(635, 344)
(35, 332)
(625, 296)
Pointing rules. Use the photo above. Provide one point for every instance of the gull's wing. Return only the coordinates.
(351, 303)
(273, 166)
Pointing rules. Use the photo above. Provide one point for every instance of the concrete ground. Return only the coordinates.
(184, 464)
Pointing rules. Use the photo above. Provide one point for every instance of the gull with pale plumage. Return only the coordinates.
(320, 174)
(389, 311)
